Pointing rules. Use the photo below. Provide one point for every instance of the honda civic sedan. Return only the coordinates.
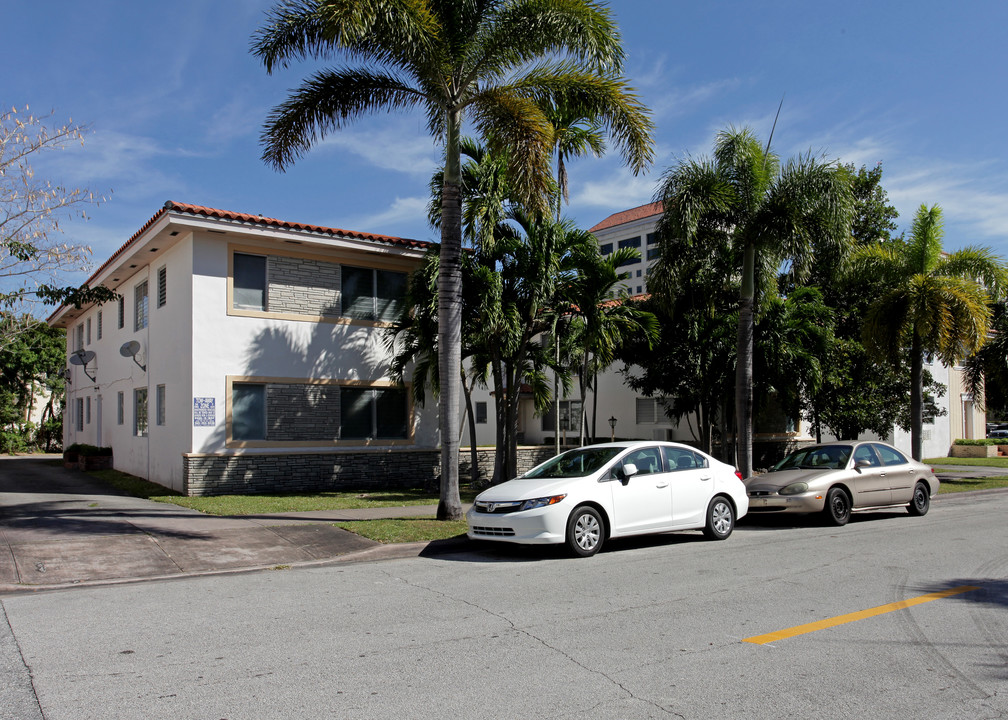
(587, 495)
(837, 478)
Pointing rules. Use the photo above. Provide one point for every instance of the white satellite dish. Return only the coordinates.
(130, 349)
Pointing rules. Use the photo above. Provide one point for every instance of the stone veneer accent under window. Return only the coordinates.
(303, 287)
(302, 411)
(312, 472)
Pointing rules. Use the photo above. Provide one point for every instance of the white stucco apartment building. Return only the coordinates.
(259, 359)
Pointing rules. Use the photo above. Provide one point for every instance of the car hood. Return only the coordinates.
(527, 488)
(772, 481)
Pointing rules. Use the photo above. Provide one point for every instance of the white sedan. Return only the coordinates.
(586, 495)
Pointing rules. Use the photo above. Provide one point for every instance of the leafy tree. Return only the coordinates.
(930, 301)
(770, 215)
(491, 63)
(34, 263)
(31, 371)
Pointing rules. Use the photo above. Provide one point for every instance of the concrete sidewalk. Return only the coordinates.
(58, 528)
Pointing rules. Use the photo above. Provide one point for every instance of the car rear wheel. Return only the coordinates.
(585, 531)
(921, 501)
(720, 519)
(838, 507)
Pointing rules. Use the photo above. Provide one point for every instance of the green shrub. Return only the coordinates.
(983, 441)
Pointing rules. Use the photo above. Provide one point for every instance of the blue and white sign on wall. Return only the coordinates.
(204, 411)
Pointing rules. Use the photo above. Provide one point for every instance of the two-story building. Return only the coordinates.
(247, 354)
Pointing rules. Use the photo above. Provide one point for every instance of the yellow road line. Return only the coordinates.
(851, 617)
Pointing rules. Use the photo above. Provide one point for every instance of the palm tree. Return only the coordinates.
(930, 301)
(743, 200)
(602, 323)
(490, 63)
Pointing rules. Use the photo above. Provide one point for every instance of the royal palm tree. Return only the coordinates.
(490, 63)
(743, 200)
(929, 301)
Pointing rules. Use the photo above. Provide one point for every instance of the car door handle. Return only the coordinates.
(705, 479)
(662, 485)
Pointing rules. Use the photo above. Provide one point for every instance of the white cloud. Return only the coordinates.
(393, 147)
(403, 217)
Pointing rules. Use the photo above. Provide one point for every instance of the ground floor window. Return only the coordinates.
(323, 411)
(570, 416)
(140, 412)
(248, 411)
(160, 404)
(372, 413)
(120, 408)
(80, 414)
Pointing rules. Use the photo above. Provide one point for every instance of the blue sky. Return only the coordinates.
(175, 104)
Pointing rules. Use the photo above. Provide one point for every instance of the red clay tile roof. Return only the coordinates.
(625, 216)
(188, 209)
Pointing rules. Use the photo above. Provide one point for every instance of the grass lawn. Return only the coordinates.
(403, 530)
(965, 484)
(394, 530)
(1000, 462)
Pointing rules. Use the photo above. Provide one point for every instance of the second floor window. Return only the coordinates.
(370, 294)
(249, 281)
(140, 306)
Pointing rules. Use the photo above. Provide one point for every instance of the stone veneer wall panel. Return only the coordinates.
(303, 286)
(351, 470)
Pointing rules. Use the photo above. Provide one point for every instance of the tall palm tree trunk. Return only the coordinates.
(744, 369)
(450, 324)
(916, 396)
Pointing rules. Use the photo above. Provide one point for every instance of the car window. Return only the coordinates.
(647, 460)
(865, 453)
(683, 459)
(889, 455)
(817, 457)
(574, 463)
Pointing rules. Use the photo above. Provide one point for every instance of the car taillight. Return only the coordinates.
(738, 474)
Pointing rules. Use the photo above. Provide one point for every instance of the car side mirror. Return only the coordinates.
(858, 464)
(626, 472)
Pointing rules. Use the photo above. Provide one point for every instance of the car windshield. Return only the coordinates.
(574, 463)
(817, 457)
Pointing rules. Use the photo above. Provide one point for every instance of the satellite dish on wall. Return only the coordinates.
(82, 358)
(130, 350)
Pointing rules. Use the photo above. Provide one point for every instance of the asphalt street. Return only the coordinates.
(654, 627)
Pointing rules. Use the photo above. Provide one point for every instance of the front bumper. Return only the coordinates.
(542, 526)
(808, 502)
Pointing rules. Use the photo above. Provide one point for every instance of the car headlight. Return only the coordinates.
(793, 488)
(541, 502)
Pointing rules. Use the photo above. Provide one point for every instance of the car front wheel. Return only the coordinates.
(720, 519)
(838, 507)
(921, 501)
(585, 531)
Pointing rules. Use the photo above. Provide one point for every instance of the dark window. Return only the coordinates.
(652, 253)
(122, 312)
(249, 281)
(162, 286)
(160, 404)
(99, 323)
(120, 407)
(140, 306)
(606, 249)
(369, 294)
(630, 243)
(652, 238)
(140, 412)
(372, 413)
(481, 413)
(248, 411)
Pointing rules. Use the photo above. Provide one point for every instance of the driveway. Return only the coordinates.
(59, 528)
